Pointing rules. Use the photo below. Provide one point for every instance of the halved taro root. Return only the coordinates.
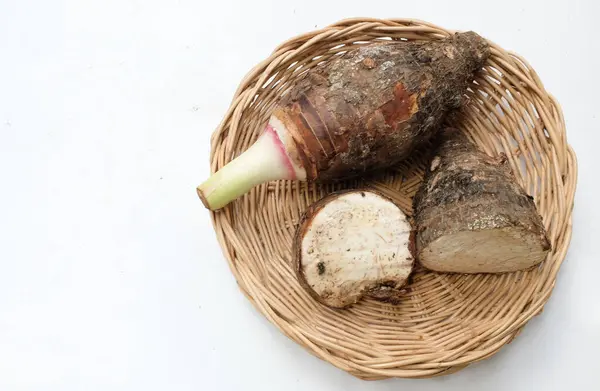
(351, 244)
(471, 215)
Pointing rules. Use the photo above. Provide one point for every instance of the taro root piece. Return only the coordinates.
(471, 216)
(352, 244)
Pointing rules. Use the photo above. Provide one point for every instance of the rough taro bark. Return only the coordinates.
(466, 190)
(371, 107)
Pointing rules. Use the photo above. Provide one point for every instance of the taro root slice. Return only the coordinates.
(351, 244)
(471, 215)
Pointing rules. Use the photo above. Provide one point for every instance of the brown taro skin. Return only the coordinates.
(371, 107)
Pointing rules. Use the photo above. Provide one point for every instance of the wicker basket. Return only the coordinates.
(446, 321)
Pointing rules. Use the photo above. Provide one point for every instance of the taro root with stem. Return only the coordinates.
(365, 110)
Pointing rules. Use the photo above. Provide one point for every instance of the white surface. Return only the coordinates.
(358, 239)
(111, 277)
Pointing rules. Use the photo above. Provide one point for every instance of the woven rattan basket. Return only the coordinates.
(446, 321)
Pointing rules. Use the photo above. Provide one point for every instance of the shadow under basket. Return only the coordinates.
(445, 321)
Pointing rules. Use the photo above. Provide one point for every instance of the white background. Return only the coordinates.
(110, 274)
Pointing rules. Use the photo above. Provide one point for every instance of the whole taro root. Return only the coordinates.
(365, 110)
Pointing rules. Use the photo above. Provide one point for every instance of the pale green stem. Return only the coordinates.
(264, 161)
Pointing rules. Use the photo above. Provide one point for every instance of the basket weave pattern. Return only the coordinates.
(445, 321)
